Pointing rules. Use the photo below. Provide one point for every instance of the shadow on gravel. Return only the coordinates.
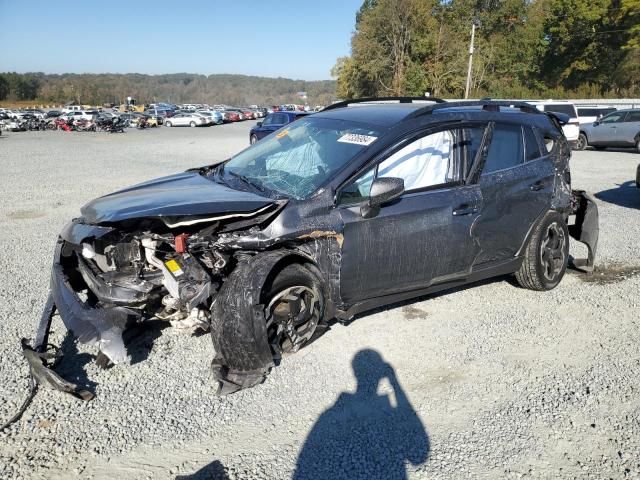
(625, 195)
(604, 275)
(214, 471)
(365, 434)
(72, 364)
(410, 312)
(139, 339)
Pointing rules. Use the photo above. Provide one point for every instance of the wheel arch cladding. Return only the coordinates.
(243, 356)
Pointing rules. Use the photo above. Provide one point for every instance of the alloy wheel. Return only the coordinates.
(552, 251)
(292, 316)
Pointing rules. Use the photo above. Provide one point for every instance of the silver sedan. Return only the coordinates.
(185, 120)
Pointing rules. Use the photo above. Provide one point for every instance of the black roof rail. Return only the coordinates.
(485, 104)
(346, 103)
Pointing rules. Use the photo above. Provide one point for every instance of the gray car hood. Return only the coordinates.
(175, 197)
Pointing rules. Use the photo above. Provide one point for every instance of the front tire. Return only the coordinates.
(192, 124)
(168, 124)
(582, 143)
(547, 254)
(253, 139)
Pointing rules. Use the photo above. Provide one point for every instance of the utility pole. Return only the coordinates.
(473, 34)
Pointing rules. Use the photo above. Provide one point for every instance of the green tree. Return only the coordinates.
(4, 88)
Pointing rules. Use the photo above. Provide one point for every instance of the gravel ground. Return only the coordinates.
(490, 381)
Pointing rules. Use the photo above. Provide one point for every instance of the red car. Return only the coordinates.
(231, 116)
(249, 114)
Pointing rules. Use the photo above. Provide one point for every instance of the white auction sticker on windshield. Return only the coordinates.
(357, 139)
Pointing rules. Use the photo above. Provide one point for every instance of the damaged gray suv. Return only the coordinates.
(363, 204)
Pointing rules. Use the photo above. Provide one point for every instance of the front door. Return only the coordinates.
(606, 132)
(423, 237)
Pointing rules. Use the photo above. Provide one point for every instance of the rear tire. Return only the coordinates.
(546, 255)
(582, 143)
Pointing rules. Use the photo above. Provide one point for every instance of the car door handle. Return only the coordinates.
(536, 186)
(464, 210)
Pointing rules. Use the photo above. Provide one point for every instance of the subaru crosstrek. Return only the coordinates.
(360, 205)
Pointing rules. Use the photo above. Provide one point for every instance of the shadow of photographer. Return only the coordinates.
(365, 435)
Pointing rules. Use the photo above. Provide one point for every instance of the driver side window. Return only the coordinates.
(613, 117)
(433, 160)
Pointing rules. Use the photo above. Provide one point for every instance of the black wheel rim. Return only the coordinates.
(552, 251)
(292, 316)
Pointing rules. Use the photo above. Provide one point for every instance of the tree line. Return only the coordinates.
(97, 89)
(523, 49)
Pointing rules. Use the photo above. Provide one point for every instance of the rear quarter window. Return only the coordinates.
(633, 117)
(531, 145)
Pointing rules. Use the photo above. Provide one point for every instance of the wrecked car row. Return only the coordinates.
(360, 205)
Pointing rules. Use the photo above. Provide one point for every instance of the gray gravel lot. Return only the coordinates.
(491, 381)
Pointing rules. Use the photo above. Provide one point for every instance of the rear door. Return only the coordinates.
(628, 130)
(517, 185)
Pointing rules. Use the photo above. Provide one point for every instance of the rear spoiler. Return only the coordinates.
(561, 118)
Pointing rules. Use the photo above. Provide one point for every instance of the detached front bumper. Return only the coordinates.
(102, 327)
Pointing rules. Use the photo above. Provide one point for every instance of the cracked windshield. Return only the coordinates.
(296, 160)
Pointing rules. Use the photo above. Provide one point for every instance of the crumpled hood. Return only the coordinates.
(180, 195)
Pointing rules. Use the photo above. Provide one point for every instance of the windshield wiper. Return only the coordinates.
(247, 181)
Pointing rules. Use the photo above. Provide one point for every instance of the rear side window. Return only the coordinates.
(531, 145)
(506, 149)
(633, 117)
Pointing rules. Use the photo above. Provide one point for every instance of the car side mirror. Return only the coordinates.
(383, 190)
(596, 123)
(259, 124)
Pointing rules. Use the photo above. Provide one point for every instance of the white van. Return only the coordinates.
(572, 129)
(71, 108)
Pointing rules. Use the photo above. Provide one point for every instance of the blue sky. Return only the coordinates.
(294, 39)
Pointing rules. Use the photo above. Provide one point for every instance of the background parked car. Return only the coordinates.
(231, 116)
(186, 120)
(80, 114)
(215, 116)
(273, 122)
(618, 129)
(53, 114)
